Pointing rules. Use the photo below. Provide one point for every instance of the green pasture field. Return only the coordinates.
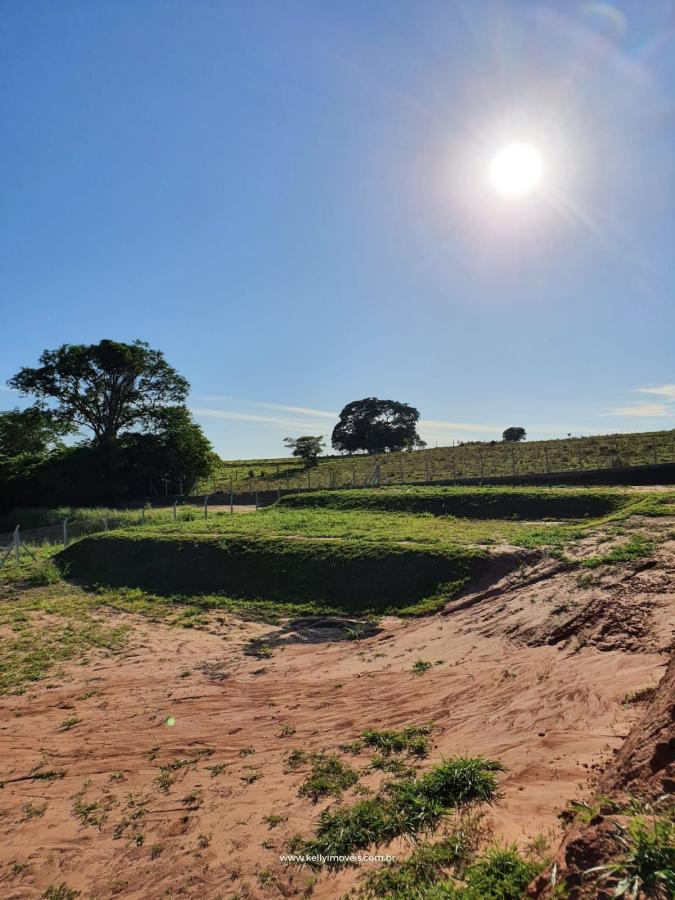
(480, 459)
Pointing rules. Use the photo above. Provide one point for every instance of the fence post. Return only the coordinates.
(174, 509)
(105, 523)
(142, 515)
(480, 460)
(65, 536)
(17, 543)
(231, 497)
(257, 504)
(206, 506)
(377, 473)
(278, 493)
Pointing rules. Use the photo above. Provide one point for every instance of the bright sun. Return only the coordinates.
(516, 170)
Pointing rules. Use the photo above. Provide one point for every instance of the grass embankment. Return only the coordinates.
(470, 460)
(473, 503)
(348, 576)
(361, 560)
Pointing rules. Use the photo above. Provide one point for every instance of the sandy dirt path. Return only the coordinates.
(512, 679)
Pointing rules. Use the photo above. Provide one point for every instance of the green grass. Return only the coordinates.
(647, 865)
(636, 547)
(328, 776)
(409, 807)
(447, 463)
(413, 740)
(452, 869)
(348, 576)
(470, 502)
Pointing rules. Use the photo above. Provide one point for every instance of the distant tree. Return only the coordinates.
(106, 387)
(308, 448)
(376, 426)
(514, 434)
(32, 431)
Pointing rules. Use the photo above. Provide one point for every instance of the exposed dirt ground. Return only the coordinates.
(533, 671)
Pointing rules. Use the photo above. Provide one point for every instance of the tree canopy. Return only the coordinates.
(105, 387)
(308, 447)
(515, 433)
(376, 426)
(33, 431)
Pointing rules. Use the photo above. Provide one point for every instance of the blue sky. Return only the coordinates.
(290, 199)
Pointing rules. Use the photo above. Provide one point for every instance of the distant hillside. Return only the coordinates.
(473, 459)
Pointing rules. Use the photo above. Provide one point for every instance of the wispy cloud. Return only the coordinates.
(301, 410)
(285, 423)
(663, 390)
(644, 410)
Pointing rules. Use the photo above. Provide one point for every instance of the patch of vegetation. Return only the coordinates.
(647, 864)
(274, 819)
(428, 865)
(60, 892)
(637, 547)
(414, 740)
(501, 873)
(34, 811)
(92, 813)
(470, 502)
(410, 807)
(421, 667)
(328, 776)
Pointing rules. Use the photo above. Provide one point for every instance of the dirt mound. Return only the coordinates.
(646, 762)
(644, 767)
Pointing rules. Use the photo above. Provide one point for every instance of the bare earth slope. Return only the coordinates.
(177, 749)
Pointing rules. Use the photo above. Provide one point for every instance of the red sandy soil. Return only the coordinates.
(532, 673)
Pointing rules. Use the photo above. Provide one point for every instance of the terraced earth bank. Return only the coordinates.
(495, 681)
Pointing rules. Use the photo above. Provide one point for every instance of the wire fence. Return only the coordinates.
(464, 462)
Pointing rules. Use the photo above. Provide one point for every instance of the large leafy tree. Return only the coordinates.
(376, 426)
(514, 434)
(106, 387)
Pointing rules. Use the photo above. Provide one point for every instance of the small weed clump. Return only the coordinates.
(391, 766)
(413, 740)
(60, 892)
(421, 666)
(274, 819)
(329, 776)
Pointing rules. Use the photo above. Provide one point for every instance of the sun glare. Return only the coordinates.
(516, 170)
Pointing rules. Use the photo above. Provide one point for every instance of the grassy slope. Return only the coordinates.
(444, 463)
(352, 561)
